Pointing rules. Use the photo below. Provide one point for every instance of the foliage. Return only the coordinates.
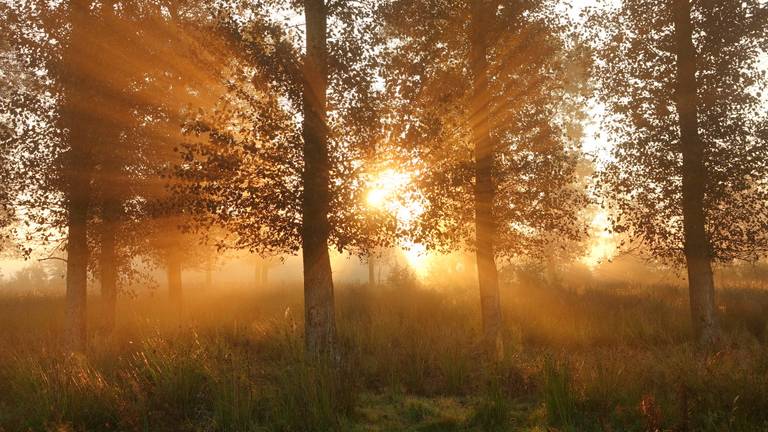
(29, 140)
(642, 183)
(243, 160)
(135, 104)
(536, 82)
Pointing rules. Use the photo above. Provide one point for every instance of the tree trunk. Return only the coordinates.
(371, 271)
(320, 320)
(174, 281)
(697, 247)
(485, 227)
(111, 214)
(77, 258)
(77, 178)
(108, 262)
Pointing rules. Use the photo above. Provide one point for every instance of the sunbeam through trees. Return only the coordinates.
(453, 215)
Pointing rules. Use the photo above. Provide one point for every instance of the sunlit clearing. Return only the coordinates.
(603, 246)
(417, 257)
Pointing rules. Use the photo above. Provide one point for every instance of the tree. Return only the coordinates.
(112, 160)
(481, 14)
(79, 121)
(687, 179)
(47, 132)
(177, 68)
(59, 136)
(488, 108)
(29, 139)
(94, 126)
(319, 310)
(261, 270)
(279, 186)
(10, 72)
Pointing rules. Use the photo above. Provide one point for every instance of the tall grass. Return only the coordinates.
(409, 359)
(559, 397)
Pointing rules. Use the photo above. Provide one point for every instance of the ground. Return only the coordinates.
(606, 358)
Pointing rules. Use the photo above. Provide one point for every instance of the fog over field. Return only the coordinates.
(383, 215)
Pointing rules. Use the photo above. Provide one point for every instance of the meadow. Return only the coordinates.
(612, 358)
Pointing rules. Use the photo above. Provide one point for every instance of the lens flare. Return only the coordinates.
(386, 192)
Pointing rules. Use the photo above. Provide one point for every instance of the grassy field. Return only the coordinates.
(600, 360)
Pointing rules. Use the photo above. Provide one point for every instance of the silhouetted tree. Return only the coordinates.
(486, 95)
(276, 183)
(80, 121)
(687, 178)
(31, 143)
(93, 129)
(11, 77)
(179, 71)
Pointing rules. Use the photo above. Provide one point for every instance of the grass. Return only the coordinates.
(410, 361)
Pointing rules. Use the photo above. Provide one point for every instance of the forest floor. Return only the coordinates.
(613, 359)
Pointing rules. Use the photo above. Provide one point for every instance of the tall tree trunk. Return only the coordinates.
(77, 254)
(320, 319)
(697, 247)
(371, 270)
(111, 214)
(108, 131)
(485, 226)
(174, 281)
(108, 261)
(77, 176)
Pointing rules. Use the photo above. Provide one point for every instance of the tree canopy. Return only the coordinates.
(642, 182)
(537, 79)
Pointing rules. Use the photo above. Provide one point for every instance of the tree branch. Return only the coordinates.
(52, 258)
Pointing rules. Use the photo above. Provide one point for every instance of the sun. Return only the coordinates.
(387, 192)
(376, 198)
(384, 189)
(417, 257)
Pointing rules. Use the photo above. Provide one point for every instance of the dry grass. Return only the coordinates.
(599, 360)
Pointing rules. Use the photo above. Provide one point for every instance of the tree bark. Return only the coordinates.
(108, 260)
(77, 178)
(697, 246)
(174, 281)
(320, 320)
(485, 226)
(77, 257)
